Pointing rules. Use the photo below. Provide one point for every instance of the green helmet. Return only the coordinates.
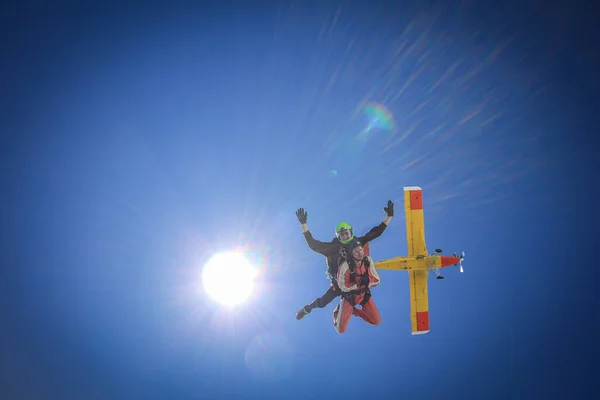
(344, 232)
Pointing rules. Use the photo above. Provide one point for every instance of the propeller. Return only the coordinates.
(462, 257)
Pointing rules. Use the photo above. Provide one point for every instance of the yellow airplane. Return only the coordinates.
(418, 262)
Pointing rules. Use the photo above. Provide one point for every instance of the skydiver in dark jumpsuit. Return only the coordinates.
(331, 251)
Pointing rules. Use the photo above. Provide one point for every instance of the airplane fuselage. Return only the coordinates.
(417, 263)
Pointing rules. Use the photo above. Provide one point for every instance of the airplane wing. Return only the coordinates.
(415, 226)
(415, 236)
(419, 301)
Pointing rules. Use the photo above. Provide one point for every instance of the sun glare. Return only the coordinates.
(228, 278)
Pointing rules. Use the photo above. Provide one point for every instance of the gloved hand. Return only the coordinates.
(302, 215)
(389, 210)
(364, 279)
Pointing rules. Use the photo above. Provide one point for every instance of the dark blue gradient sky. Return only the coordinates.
(139, 139)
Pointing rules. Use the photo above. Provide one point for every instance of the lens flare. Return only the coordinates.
(379, 117)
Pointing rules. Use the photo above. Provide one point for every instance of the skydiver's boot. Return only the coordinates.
(303, 311)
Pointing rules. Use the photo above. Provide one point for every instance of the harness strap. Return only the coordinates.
(350, 296)
(366, 291)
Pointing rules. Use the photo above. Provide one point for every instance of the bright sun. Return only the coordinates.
(228, 278)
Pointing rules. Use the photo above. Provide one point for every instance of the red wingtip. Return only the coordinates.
(416, 200)
(422, 321)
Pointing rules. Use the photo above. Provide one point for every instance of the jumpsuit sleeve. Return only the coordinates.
(343, 278)
(374, 233)
(328, 249)
(373, 273)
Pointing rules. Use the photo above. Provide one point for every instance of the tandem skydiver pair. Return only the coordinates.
(351, 272)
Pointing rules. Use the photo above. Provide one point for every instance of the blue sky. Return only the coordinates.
(139, 140)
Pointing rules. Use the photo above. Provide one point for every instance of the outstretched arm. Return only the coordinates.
(304, 228)
(378, 230)
(328, 249)
(302, 218)
(389, 210)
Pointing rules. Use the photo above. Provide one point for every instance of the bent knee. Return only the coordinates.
(375, 319)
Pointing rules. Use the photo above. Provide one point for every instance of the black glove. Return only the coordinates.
(364, 279)
(389, 210)
(302, 215)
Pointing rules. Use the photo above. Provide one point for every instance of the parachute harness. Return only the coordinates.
(367, 292)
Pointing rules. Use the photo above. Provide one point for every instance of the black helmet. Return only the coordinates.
(353, 250)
